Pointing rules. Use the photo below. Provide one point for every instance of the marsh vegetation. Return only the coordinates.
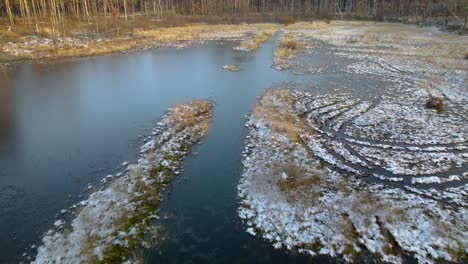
(395, 157)
(364, 153)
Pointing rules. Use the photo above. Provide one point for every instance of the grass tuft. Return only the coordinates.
(290, 43)
(231, 67)
(285, 52)
(46, 32)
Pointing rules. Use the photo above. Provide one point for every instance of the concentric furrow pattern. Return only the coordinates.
(394, 143)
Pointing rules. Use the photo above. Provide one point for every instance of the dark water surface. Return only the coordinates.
(65, 125)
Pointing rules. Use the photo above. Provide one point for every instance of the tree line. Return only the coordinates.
(55, 11)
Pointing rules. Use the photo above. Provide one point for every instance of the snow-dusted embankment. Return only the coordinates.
(113, 220)
(301, 189)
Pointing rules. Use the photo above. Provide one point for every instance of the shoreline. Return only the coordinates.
(116, 218)
(33, 48)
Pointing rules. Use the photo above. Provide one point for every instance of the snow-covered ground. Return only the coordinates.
(317, 189)
(408, 55)
(113, 220)
(389, 130)
(337, 174)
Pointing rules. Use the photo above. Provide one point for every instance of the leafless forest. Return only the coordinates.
(54, 14)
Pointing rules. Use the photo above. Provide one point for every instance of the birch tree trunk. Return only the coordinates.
(125, 9)
(10, 15)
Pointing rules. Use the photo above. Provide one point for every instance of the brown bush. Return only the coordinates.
(289, 42)
(436, 103)
(286, 20)
(46, 32)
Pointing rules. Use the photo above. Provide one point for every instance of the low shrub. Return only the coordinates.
(286, 20)
(436, 103)
(46, 32)
(290, 43)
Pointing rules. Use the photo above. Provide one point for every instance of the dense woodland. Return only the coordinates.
(53, 13)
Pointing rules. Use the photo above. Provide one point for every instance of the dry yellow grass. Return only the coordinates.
(92, 49)
(285, 52)
(46, 31)
(310, 25)
(7, 35)
(170, 34)
(200, 31)
(183, 116)
(408, 39)
(141, 37)
(203, 106)
(289, 42)
(280, 120)
(285, 124)
(264, 36)
(419, 44)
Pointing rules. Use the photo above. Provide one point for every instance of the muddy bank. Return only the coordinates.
(302, 189)
(114, 219)
(39, 47)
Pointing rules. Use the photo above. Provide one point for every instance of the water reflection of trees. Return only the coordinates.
(6, 125)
